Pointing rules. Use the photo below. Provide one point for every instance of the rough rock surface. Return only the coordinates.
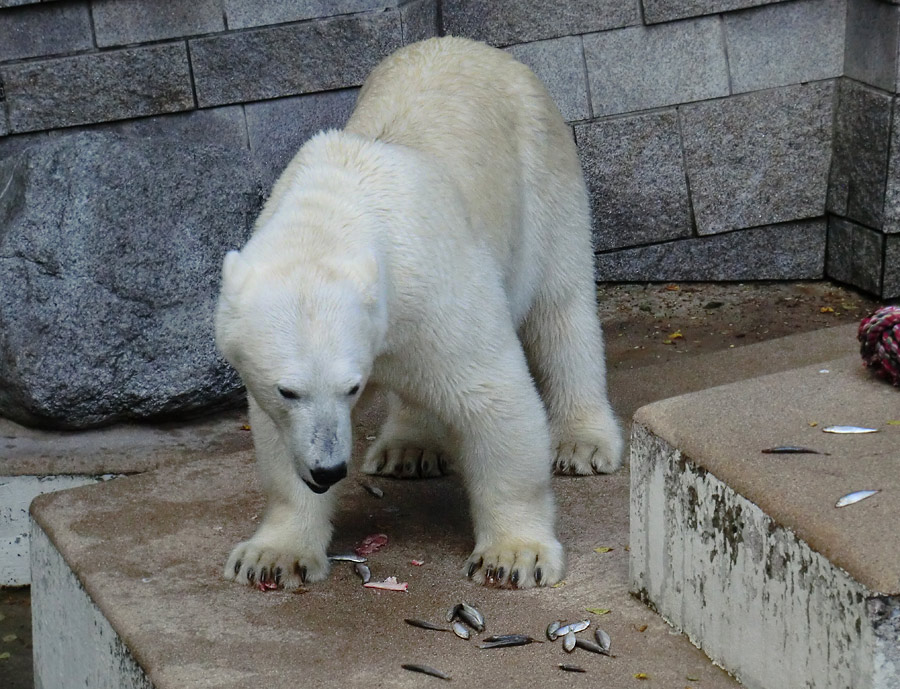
(110, 254)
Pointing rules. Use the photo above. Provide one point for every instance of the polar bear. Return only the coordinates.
(438, 247)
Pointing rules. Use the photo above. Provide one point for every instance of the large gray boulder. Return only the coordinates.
(110, 254)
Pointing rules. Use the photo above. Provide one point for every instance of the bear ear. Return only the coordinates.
(235, 272)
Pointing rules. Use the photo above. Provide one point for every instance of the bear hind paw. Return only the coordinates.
(516, 565)
(583, 458)
(406, 462)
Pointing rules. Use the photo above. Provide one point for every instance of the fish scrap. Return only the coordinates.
(849, 429)
(507, 640)
(461, 630)
(425, 670)
(571, 668)
(603, 639)
(363, 572)
(347, 557)
(468, 614)
(569, 641)
(855, 497)
(791, 450)
(389, 584)
(425, 624)
(553, 629)
(573, 627)
(372, 489)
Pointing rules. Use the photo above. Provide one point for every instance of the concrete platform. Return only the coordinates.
(747, 553)
(34, 462)
(127, 589)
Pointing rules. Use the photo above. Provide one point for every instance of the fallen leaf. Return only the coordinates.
(813, 424)
(597, 611)
(826, 309)
(4, 655)
(245, 427)
(692, 679)
(642, 628)
(672, 288)
(889, 423)
(559, 584)
(676, 335)
(641, 675)
(9, 637)
(602, 549)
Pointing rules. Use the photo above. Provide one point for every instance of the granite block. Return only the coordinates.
(559, 63)
(98, 87)
(642, 67)
(244, 14)
(656, 11)
(790, 251)
(278, 128)
(49, 29)
(420, 20)
(504, 22)
(224, 126)
(859, 160)
(855, 254)
(870, 53)
(635, 175)
(292, 59)
(786, 43)
(891, 284)
(14, 143)
(759, 158)
(122, 22)
(891, 223)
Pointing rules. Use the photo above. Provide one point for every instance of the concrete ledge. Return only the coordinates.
(746, 553)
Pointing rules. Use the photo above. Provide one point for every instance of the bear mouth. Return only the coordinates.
(316, 488)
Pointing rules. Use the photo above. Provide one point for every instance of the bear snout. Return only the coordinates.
(328, 476)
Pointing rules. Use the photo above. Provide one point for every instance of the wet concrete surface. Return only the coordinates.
(645, 325)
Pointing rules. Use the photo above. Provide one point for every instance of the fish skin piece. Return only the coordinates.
(855, 497)
(461, 630)
(424, 624)
(571, 668)
(602, 639)
(453, 612)
(569, 641)
(372, 489)
(506, 640)
(347, 557)
(848, 429)
(388, 585)
(425, 670)
(573, 626)
(791, 450)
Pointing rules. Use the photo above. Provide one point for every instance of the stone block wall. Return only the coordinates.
(722, 139)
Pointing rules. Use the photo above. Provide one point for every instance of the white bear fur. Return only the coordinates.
(438, 247)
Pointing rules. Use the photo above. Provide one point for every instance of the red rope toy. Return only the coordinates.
(880, 337)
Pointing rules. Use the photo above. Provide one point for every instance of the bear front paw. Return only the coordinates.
(584, 458)
(406, 462)
(267, 566)
(516, 565)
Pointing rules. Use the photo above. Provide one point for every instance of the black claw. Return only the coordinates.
(514, 577)
(237, 566)
(474, 567)
(538, 575)
(301, 572)
(264, 574)
(251, 575)
(278, 575)
(500, 573)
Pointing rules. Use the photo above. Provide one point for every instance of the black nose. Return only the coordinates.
(330, 475)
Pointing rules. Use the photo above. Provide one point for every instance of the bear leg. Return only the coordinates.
(411, 444)
(289, 547)
(563, 340)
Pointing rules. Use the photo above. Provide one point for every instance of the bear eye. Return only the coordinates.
(288, 394)
(352, 391)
